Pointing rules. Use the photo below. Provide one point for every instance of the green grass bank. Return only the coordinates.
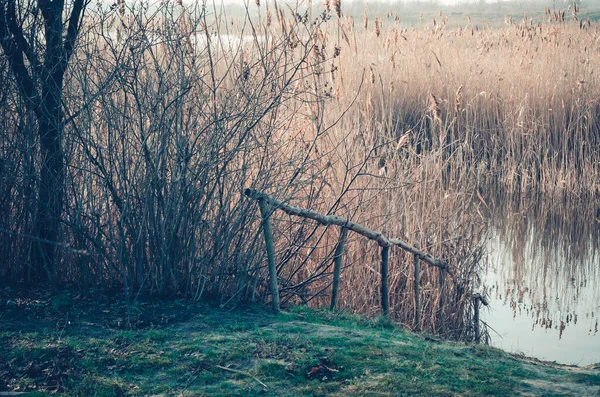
(74, 345)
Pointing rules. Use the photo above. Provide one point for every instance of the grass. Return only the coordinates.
(216, 352)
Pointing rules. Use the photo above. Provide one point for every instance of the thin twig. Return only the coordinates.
(43, 240)
(242, 373)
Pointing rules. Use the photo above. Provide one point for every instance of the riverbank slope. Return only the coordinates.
(71, 344)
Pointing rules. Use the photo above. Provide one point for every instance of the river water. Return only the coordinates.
(543, 280)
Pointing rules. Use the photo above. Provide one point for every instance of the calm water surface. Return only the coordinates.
(543, 281)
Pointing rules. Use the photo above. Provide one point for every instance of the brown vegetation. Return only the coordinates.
(172, 112)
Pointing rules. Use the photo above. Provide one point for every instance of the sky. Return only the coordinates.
(451, 2)
(595, 3)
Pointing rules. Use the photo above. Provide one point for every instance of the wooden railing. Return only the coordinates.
(269, 204)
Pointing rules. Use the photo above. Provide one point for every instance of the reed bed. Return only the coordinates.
(516, 107)
(447, 117)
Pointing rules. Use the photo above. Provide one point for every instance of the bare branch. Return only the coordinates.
(25, 83)
(73, 28)
(19, 39)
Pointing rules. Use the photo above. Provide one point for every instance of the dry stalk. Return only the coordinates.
(457, 99)
(434, 108)
(337, 6)
(269, 16)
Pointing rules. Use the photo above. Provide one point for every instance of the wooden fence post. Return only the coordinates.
(337, 266)
(476, 319)
(265, 212)
(478, 298)
(385, 303)
(416, 290)
(441, 279)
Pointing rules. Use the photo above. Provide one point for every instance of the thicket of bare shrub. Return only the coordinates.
(172, 111)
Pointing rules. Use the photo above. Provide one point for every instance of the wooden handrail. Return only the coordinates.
(268, 204)
(346, 223)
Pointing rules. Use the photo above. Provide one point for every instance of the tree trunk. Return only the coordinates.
(50, 131)
(50, 199)
(39, 72)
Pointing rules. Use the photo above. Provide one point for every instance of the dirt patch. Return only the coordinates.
(556, 379)
(49, 370)
(37, 310)
(566, 388)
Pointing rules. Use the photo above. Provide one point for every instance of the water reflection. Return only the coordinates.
(543, 279)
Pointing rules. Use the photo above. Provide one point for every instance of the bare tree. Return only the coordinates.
(38, 38)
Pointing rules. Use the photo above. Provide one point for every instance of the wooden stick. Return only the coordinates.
(416, 290)
(337, 266)
(385, 302)
(478, 298)
(476, 319)
(481, 298)
(441, 279)
(262, 204)
(235, 371)
(343, 222)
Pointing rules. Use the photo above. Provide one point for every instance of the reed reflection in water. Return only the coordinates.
(543, 279)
